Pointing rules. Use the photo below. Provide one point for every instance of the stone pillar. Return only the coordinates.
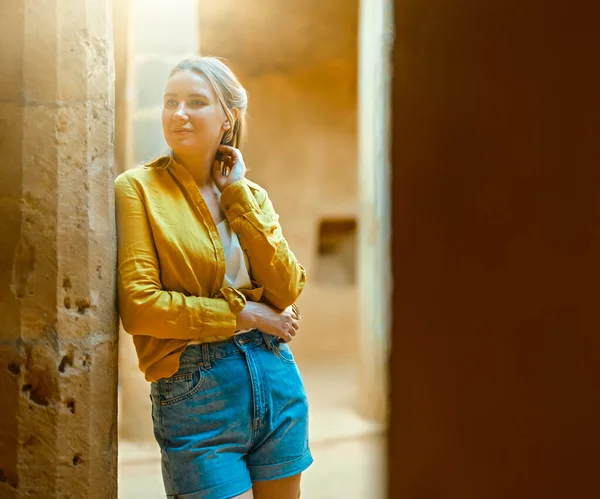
(159, 37)
(374, 201)
(58, 342)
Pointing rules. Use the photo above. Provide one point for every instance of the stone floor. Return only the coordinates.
(347, 450)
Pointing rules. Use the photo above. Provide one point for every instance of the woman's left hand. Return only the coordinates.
(294, 311)
(228, 167)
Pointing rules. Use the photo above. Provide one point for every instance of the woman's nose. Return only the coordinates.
(181, 111)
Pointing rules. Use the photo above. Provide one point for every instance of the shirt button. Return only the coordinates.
(226, 207)
(239, 236)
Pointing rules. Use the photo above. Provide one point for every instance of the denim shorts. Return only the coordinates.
(234, 413)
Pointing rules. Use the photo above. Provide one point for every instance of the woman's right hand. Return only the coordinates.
(283, 324)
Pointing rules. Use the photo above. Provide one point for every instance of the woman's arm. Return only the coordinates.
(274, 267)
(145, 308)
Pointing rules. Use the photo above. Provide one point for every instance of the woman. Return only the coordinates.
(207, 285)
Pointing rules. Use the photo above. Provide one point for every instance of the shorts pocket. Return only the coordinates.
(182, 385)
(283, 351)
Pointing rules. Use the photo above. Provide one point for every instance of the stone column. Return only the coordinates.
(58, 342)
(374, 200)
(159, 37)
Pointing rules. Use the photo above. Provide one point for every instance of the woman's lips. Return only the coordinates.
(181, 132)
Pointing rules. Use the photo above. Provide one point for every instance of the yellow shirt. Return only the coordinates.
(171, 264)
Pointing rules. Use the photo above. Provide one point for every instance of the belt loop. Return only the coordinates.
(205, 356)
(267, 339)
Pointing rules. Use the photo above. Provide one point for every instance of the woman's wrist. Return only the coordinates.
(247, 319)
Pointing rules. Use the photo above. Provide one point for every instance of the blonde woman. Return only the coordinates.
(207, 286)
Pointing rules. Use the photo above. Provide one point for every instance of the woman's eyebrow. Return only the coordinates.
(204, 96)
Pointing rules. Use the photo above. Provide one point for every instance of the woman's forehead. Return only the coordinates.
(186, 82)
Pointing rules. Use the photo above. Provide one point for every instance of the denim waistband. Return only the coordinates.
(205, 352)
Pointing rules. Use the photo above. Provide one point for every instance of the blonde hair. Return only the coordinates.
(229, 91)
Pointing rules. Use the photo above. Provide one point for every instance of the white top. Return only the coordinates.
(237, 275)
(236, 270)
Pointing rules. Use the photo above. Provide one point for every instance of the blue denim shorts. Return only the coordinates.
(234, 413)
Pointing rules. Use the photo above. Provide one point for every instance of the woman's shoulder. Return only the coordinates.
(144, 173)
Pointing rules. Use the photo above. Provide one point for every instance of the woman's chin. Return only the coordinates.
(184, 146)
(188, 145)
(183, 139)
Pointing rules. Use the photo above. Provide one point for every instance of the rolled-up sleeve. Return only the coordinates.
(144, 306)
(273, 265)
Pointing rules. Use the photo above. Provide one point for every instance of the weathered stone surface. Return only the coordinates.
(11, 117)
(11, 41)
(58, 342)
(11, 361)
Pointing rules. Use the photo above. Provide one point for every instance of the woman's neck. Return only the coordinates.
(198, 165)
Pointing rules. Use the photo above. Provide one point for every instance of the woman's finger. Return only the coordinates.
(229, 150)
(296, 311)
(232, 167)
(227, 162)
(289, 329)
(218, 168)
(285, 338)
(295, 324)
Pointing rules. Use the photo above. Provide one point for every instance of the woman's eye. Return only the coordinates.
(171, 103)
(196, 103)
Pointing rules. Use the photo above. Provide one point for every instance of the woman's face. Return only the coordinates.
(192, 118)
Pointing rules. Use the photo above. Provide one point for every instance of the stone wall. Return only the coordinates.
(58, 342)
